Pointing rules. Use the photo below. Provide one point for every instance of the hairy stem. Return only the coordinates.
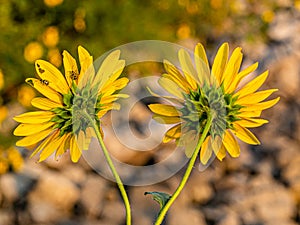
(186, 175)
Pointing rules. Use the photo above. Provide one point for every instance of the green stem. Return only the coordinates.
(186, 175)
(113, 170)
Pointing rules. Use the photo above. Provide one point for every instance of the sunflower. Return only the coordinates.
(72, 103)
(202, 93)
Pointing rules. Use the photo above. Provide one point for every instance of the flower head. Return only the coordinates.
(71, 103)
(203, 93)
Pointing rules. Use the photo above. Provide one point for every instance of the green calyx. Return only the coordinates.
(209, 100)
(80, 108)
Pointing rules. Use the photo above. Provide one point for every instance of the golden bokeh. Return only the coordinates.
(54, 57)
(53, 3)
(25, 95)
(267, 16)
(183, 32)
(51, 36)
(1, 80)
(3, 113)
(33, 51)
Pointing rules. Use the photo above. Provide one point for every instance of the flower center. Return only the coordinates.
(209, 100)
(79, 111)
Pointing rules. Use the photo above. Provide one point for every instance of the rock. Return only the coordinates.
(267, 200)
(114, 213)
(282, 27)
(198, 190)
(53, 198)
(185, 216)
(291, 173)
(6, 217)
(231, 218)
(286, 154)
(8, 187)
(286, 73)
(45, 212)
(92, 195)
(75, 173)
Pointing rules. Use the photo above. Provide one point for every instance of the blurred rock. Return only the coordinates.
(8, 187)
(283, 27)
(292, 175)
(269, 200)
(75, 173)
(231, 218)
(185, 216)
(92, 195)
(53, 198)
(286, 72)
(6, 217)
(198, 190)
(113, 213)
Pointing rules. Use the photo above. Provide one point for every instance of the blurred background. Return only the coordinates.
(262, 187)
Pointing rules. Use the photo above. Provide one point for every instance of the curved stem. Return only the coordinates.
(113, 170)
(186, 175)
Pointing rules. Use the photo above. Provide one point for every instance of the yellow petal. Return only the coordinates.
(86, 66)
(44, 103)
(29, 129)
(75, 152)
(165, 110)
(116, 72)
(188, 68)
(51, 147)
(201, 62)
(171, 87)
(176, 75)
(70, 67)
(111, 98)
(81, 140)
(107, 68)
(260, 106)
(220, 63)
(173, 100)
(245, 135)
(186, 88)
(189, 140)
(221, 153)
(255, 97)
(45, 143)
(110, 88)
(48, 72)
(36, 117)
(206, 151)
(63, 147)
(166, 119)
(44, 90)
(86, 61)
(231, 144)
(252, 86)
(172, 133)
(240, 76)
(251, 122)
(34, 138)
(216, 144)
(232, 69)
(249, 114)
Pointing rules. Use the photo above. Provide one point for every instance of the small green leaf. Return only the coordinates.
(160, 197)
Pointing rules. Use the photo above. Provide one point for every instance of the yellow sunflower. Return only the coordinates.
(71, 104)
(203, 93)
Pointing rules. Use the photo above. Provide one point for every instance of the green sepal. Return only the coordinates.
(67, 99)
(160, 197)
